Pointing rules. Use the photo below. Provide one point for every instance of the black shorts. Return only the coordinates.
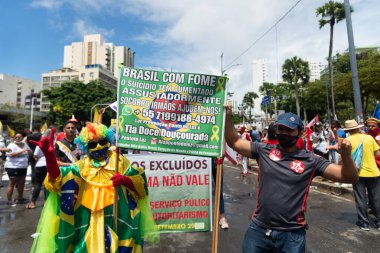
(12, 172)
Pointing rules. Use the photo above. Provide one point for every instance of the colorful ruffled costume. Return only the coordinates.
(78, 213)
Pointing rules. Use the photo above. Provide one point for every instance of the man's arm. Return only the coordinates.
(347, 171)
(232, 138)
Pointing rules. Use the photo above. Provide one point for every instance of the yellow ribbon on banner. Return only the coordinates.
(215, 132)
(220, 84)
(121, 120)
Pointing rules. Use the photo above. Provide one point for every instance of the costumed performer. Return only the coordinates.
(78, 214)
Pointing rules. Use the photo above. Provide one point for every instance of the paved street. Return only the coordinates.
(331, 219)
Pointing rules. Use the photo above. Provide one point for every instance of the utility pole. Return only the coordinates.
(354, 67)
(221, 64)
(328, 104)
(31, 113)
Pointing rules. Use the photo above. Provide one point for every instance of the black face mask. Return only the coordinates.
(286, 141)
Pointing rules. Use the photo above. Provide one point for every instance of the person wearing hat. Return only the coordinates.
(285, 173)
(369, 175)
(65, 149)
(373, 125)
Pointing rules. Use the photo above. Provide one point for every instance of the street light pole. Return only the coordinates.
(354, 67)
(328, 104)
(221, 64)
(222, 71)
(31, 113)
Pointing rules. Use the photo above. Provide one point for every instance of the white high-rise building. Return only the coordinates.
(259, 73)
(259, 76)
(93, 50)
(316, 67)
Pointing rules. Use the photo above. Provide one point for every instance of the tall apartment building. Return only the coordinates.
(91, 59)
(93, 50)
(259, 76)
(259, 73)
(316, 67)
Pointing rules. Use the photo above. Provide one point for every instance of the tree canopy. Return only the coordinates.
(296, 73)
(249, 102)
(368, 61)
(331, 13)
(75, 97)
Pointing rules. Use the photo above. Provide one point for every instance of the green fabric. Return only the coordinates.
(70, 237)
(45, 241)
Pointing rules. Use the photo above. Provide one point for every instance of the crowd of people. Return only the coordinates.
(288, 156)
(96, 197)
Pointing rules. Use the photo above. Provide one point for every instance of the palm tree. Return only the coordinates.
(249, 102)
(296, 73)
(331, 13)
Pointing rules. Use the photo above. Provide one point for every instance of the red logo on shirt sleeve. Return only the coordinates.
(297, 166)
(275, 154)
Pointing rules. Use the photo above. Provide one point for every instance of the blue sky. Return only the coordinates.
(186, 35)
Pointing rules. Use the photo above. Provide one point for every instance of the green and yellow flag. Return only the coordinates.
(44, 127)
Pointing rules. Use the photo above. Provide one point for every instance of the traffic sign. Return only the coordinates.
(266, 100)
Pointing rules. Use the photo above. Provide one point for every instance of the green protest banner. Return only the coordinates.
(180, 113)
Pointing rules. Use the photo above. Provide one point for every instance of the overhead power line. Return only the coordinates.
(265, 33)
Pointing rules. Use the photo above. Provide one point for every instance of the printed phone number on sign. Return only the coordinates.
(171, 116)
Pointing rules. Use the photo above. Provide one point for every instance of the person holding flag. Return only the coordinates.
(80, 213)
(309, 132)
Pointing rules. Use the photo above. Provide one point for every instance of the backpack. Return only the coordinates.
(358, 155)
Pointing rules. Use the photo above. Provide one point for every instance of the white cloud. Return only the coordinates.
(81, 27)
(190, 35)
(48, 4)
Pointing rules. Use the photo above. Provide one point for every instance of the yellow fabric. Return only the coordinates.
(11, 131)
(100, 176)
(44, 127)
(53, 184)
(96, 116)
(96, 198)
(94, 232)
(114, 240)
(139, 192)
(369, 167)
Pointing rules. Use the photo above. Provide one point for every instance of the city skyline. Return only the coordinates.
(171, 35)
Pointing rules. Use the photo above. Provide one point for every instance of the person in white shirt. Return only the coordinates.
(320, 141)
(16, 165)
(39, 176)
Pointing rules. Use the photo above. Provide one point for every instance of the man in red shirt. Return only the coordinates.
(373, 125)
